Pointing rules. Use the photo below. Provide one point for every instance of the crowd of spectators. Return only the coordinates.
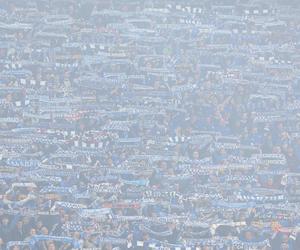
(147, 124)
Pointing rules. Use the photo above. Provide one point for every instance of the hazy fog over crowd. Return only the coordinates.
(147, 124)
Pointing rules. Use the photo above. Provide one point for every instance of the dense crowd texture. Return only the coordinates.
(149, 124)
